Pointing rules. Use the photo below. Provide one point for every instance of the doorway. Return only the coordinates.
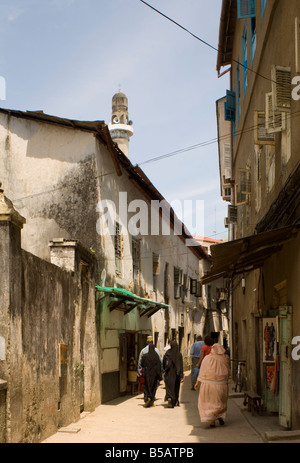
(285, 367)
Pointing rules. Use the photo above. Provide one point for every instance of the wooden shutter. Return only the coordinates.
(246, 8)
(177, 282)
(281, 88)
(118, 249)
(261, 135)
(243, 188)
(227, 160)
(184, 287)
(166, 282)
(193, 286)
(155, 258)
(245, 180)
(177, 276)
(199, 289)
(297, 43)
(232, 214)
(275, 120)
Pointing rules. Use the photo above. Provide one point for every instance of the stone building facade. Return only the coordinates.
(86, 209)
(259, 46)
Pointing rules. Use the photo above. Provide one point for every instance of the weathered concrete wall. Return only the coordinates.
(48, 171)
(48, 337)
(63, 309)
(3, 387)
(50, 299)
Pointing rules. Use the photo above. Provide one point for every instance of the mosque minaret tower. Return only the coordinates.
(120, 127)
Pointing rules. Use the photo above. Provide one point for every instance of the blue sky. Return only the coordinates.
(69, 57)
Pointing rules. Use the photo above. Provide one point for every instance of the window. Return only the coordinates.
(281, 88)
(232, 214)
(193, 286)
(261, 135)
(270, 159)
(136, 259)
(253, 37)
(227, 161)
(199, 289)
(238, 90)
(118, 249)
(258, 157)
(227, 193)
(184, 287)
(229, 106)
(245, 180)
(286, 146)
(243, 187)
(166, 283)
(246, 8)
(275, 120)
(155, 270)
(245, 59)
(177, 282)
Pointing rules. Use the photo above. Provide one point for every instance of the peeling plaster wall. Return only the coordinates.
(49, 172)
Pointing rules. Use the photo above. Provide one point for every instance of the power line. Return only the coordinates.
(179, 25)
(209, 142)
(206, 43)
(183, 150)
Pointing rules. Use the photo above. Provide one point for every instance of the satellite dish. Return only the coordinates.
(130, 123)
(103, 277)
(115, 120)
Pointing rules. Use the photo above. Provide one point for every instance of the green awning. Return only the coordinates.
(125, 301)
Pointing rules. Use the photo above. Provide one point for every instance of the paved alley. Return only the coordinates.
(125, 420)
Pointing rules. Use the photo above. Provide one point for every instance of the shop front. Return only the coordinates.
(124, 321)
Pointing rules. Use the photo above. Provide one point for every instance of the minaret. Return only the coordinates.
(121, 127)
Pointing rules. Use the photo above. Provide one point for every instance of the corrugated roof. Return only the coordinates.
(125, 301)
(247, 253)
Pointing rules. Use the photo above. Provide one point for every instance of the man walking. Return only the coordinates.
(195, 354)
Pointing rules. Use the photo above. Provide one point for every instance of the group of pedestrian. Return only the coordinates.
(152, 367)
(211, 365)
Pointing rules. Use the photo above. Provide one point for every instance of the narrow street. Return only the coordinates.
(125, 420)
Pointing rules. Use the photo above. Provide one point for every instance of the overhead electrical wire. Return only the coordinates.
(208, 142)
(205, 42)
(214, 140)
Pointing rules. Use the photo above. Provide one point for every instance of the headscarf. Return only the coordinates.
(151, 360)
(217, 349)
(215, 366)
(174, 355)
(151, 357)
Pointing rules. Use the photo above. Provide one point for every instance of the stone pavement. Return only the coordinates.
(125, 420)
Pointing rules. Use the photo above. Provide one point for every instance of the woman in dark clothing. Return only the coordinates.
(151, 364)
(173, 368)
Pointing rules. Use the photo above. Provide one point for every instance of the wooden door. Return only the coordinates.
(123, 362)
(285, 381)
